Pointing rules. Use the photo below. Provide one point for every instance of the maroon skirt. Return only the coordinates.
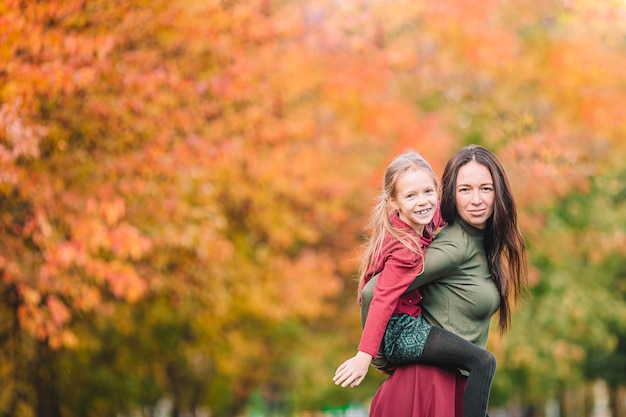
(420, 391)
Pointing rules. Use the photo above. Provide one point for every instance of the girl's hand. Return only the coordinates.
(352, 372)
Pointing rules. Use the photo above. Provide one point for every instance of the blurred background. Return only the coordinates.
(184, 186)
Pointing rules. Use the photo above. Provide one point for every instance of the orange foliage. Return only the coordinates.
(227, 152)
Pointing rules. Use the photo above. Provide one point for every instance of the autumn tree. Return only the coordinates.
(183, 175)
(183, 184)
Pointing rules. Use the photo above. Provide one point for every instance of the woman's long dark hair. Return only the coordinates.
(503, 241)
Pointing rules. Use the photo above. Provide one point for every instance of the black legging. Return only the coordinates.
(445, 349)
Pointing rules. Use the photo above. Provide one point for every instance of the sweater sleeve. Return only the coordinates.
(400, 268)
(441, 258)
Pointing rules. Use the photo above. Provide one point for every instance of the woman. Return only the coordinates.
(401, 227)
(475, 267)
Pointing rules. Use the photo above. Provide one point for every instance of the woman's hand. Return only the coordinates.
(353, 371)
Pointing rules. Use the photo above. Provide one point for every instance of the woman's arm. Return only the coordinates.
(441, 258)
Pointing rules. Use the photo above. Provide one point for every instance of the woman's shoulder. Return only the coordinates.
(456, 236)
(451, 231)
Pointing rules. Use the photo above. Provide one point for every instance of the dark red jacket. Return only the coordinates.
(396, 268)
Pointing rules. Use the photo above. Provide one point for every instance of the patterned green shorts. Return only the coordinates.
(405, 338)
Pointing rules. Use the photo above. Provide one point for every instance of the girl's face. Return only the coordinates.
(416, 198)
(474, 194)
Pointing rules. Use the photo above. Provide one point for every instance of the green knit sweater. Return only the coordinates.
(459, 294)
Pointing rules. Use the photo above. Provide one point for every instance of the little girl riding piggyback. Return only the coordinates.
(401, 226)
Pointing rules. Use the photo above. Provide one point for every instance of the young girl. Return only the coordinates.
(402, 226)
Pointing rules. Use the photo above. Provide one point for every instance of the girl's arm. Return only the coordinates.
(401, 266)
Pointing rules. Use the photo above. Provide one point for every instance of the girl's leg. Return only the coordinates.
(444, 348)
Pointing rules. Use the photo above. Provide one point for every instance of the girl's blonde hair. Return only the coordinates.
(379, 224)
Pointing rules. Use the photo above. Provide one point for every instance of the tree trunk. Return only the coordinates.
(12, 356)
(617, 401)
(45, 388)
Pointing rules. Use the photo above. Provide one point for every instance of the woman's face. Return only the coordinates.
(474, 194)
